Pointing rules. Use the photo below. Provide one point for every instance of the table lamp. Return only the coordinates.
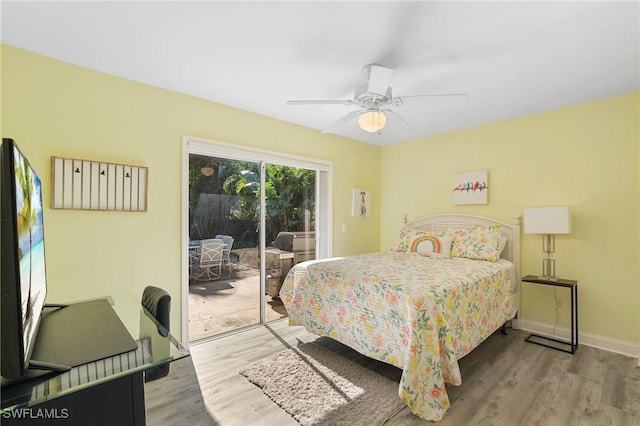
(548, 221)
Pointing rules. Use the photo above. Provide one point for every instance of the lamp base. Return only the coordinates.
(548, 263)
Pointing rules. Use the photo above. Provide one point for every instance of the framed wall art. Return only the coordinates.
(471, 187)
(361, 204)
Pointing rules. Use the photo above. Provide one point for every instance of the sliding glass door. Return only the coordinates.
(224, 204)
(265, 214)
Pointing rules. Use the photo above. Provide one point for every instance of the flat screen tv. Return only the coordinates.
(22, 268)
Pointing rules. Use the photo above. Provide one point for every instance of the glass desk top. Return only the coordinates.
(154, 347)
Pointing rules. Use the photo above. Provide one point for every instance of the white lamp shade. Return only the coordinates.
(547, 220)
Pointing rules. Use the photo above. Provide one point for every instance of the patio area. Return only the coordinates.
(231, 302)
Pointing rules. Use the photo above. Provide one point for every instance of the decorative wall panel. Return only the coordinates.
(96, 185)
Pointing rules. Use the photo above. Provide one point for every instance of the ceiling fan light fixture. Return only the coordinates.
(372, 121)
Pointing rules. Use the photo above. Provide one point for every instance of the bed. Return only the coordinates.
(418, 306)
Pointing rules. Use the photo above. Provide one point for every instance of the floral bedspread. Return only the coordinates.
(420, 314)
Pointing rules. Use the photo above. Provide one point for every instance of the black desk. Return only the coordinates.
(572, 285)
(108, 391)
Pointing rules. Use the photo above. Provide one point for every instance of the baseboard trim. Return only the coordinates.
(594, 340)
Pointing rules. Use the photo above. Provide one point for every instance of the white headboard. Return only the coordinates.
(440, 223)
(511, 252)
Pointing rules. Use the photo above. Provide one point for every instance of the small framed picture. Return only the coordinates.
(470, 187)
(361, 203)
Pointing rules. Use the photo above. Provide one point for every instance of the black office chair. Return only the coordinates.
(157, 302)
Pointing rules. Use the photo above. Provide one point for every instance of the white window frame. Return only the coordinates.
(324, 197)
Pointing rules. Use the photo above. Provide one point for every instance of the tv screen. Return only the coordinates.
(22, 269)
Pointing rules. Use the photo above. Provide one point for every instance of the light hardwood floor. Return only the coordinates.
(506, 381)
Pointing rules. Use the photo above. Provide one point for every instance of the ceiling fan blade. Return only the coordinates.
(344, 120)
(431, 95)
(320, 102)
(406, 127)
(379, 79)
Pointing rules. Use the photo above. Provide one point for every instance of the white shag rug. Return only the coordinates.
(319, 387)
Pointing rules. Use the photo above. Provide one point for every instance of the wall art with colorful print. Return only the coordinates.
(471, 187)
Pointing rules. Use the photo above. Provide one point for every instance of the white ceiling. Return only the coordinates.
(512, 58)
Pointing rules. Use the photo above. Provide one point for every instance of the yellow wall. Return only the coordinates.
(52, 108)
(585, 156)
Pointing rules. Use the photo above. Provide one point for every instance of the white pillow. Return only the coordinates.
(428, 245)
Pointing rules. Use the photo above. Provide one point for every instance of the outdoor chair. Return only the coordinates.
(226, 250)
(209, 264)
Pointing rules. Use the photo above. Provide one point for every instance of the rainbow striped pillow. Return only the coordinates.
(422, 242)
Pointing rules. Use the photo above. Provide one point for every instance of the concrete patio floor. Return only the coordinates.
(231, 302)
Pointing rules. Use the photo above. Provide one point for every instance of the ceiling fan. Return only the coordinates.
(374, 99)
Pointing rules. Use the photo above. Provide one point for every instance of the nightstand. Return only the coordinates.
(572, 285)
